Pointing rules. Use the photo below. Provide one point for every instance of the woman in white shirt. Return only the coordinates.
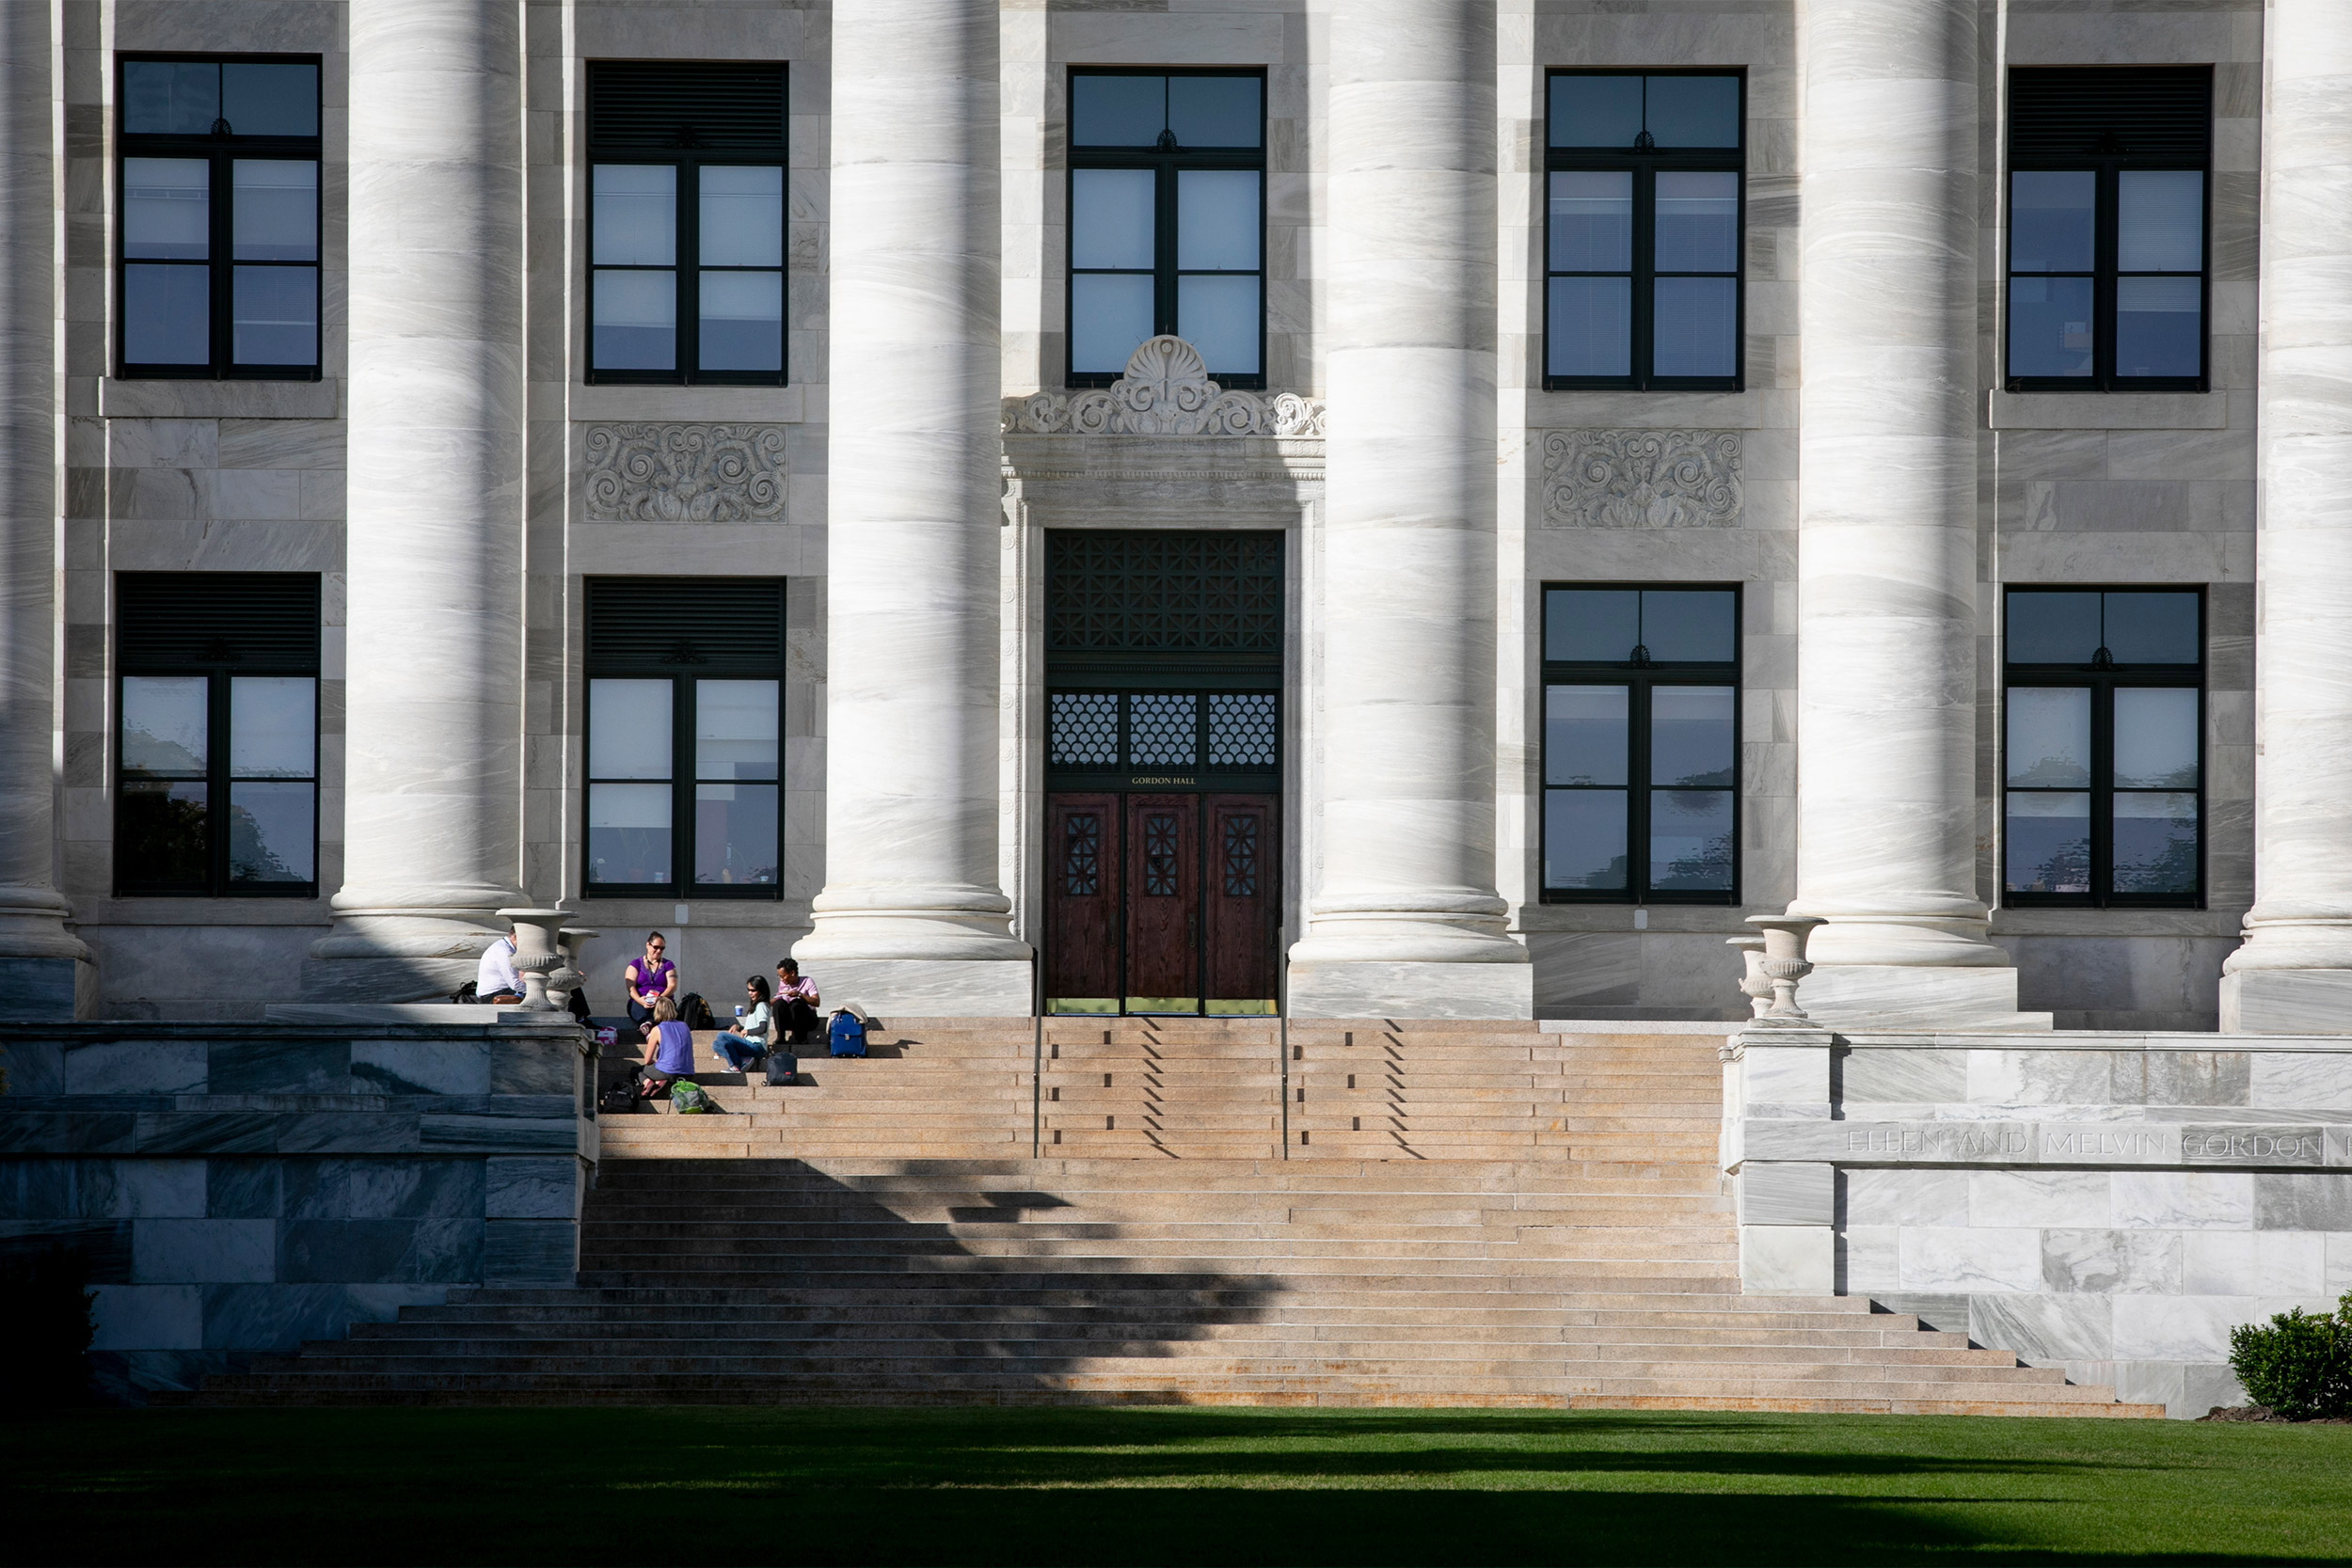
(747, 1042)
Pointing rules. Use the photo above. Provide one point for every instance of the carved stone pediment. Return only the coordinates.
(1642, 479)
(685, 473)
(1164, 392)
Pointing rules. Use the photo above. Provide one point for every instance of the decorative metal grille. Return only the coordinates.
(1243, 732)
(1082, 856)
(1083, 728)
(1190, 592)
(1160, 729)
(1241, 857)
(1159, 856)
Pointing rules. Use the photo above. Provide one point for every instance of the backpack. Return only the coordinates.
(694, 1012)
(687, 1099)
(846, 1035)
(781, 1067)
(623, 1094)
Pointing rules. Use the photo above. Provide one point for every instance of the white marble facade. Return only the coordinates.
(1869, 722)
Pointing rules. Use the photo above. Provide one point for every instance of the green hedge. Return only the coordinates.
(2301, 1366)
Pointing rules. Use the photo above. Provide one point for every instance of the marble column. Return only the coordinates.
(43, 966)
(432, 748)
(912, 919)
(1886, 794)
(1404, 920)
(2294, 974)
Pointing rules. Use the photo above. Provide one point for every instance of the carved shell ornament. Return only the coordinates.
(1165, 390)
(1642, 479)
(686, 473)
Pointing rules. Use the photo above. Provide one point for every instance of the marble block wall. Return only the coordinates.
(241, 1188)
(2111, 1204)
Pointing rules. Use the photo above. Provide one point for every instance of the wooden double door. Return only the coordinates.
(1162, 903)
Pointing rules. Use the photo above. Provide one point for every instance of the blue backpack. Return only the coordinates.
(845, 1035)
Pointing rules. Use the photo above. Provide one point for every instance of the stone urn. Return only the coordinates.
(566, 977)
(1783, 964)
(536, 955)
(1754, 984)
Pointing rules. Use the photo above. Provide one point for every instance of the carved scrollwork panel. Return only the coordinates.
(1642, 479)
(1164, 392)
(686, 473)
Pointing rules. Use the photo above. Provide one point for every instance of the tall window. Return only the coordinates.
(686, 229)
(218, 270)
(1166, 219)
(1640, 745)
(2104, 753)
(685, 749)
(2107, 228)
(217, 755)
(1644, 195)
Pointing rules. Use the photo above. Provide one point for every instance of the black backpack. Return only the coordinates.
(695, 1012)
(781, 1067)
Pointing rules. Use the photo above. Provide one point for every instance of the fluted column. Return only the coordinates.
(1406, 921)
(40, 964)
(431, 816)
(912, 918)
(2294, 974)
(1886, 797)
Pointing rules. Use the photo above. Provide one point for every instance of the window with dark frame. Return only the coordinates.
(2109, 224)
(1641, 752)
(685, 737)
(216, 271)
(1166, 219)
(1644, 235)
(687, 222)
(216, 770)
(2102, 748)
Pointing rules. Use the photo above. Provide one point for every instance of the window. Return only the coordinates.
(1642, 745)
(1166, 219)
(2102, 750)
(2107, 228)
(218, 237)
(686, 231)
(217, 754)
(1644, 209)
(685, 792)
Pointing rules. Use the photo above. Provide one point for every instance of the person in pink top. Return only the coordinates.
(795, 1010)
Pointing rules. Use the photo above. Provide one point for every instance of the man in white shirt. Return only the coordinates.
(497, 980)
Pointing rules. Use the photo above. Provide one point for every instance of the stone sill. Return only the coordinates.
(218, 400)
(103, 912)
(2109, 411)
(2028, 922)
(1758, 408)
(753, 405)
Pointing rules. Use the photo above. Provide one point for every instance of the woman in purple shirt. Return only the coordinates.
(670, 1054)
(649, 979)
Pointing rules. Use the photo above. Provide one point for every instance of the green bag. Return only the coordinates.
(687, 1099)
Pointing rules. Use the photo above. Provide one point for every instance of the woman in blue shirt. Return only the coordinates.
(670, 1053)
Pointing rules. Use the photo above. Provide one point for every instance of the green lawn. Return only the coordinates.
(1081, 1486)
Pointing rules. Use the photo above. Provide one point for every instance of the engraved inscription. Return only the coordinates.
(1941, 1143)
(2110, 1143)
(2254, 1146)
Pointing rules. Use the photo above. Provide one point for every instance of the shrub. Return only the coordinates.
(45, 1320)
(2301, 1365)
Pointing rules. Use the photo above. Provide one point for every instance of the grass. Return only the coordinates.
(1172, 1485)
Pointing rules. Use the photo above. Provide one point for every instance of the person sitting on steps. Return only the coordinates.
(744, 1046)
(498, 980)
(649, 979)
(670, 1055)
(796, 1005)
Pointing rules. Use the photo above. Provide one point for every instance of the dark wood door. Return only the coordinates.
(1242, 897)
(1163, 866)
(1082, 884)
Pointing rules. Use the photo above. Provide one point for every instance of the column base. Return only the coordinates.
(2287, 1002)
(1376, 988)
(1912, 997)
(47, 990)
(927, 988)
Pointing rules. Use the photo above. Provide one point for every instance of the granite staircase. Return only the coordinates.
(1468, 1214)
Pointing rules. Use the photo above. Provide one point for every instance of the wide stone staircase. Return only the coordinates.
(1468, 1214)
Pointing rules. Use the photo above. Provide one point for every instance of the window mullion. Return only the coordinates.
(217, 783)
(2102, 792)
(221, 171)
(2102, 290)
(1164, 245)
(687, 280)
(683, 785)
(1645, 278)
(1637, 805)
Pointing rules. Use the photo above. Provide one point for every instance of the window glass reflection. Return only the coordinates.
(1694, 111)
(628, 729)
(274, 315)
(1698, 222)
(1690, 841)
(735, 834)
(636, 321)
(1595, 111)
(276, 211)
(166, 315)
(629, 833)
(635, 223)
(1111, 217)
(170, 98)
(271, 832)
(1585, 735)
(1591, 220)
(162, 837)
(1584, 839)
(2053, 629)
(1695, 330)
(164, 724)
(270, 98)
(736, 726)
(1592, 625)
(1118, 111)
(1219, 317)
(2049, 326)
(2160, 220)
(1689, 625)
(1690, 736)
(2145, 627)
(1591, 327)
(1110, 314)
(2155, 843)
(1216, 219)
(166, 212)
(2049, 736)
(2049, 843)
(2155, 738)
(1213, 111)
(742, 321)
(273, 727)
(2051, 219)
(743, 216)
(2160, 326)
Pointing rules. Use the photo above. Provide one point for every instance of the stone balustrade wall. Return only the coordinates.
(2106, 1202)
(244, 1187)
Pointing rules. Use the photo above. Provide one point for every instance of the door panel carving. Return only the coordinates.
(1163, 902)
(1081, 902)
(1243, 898)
